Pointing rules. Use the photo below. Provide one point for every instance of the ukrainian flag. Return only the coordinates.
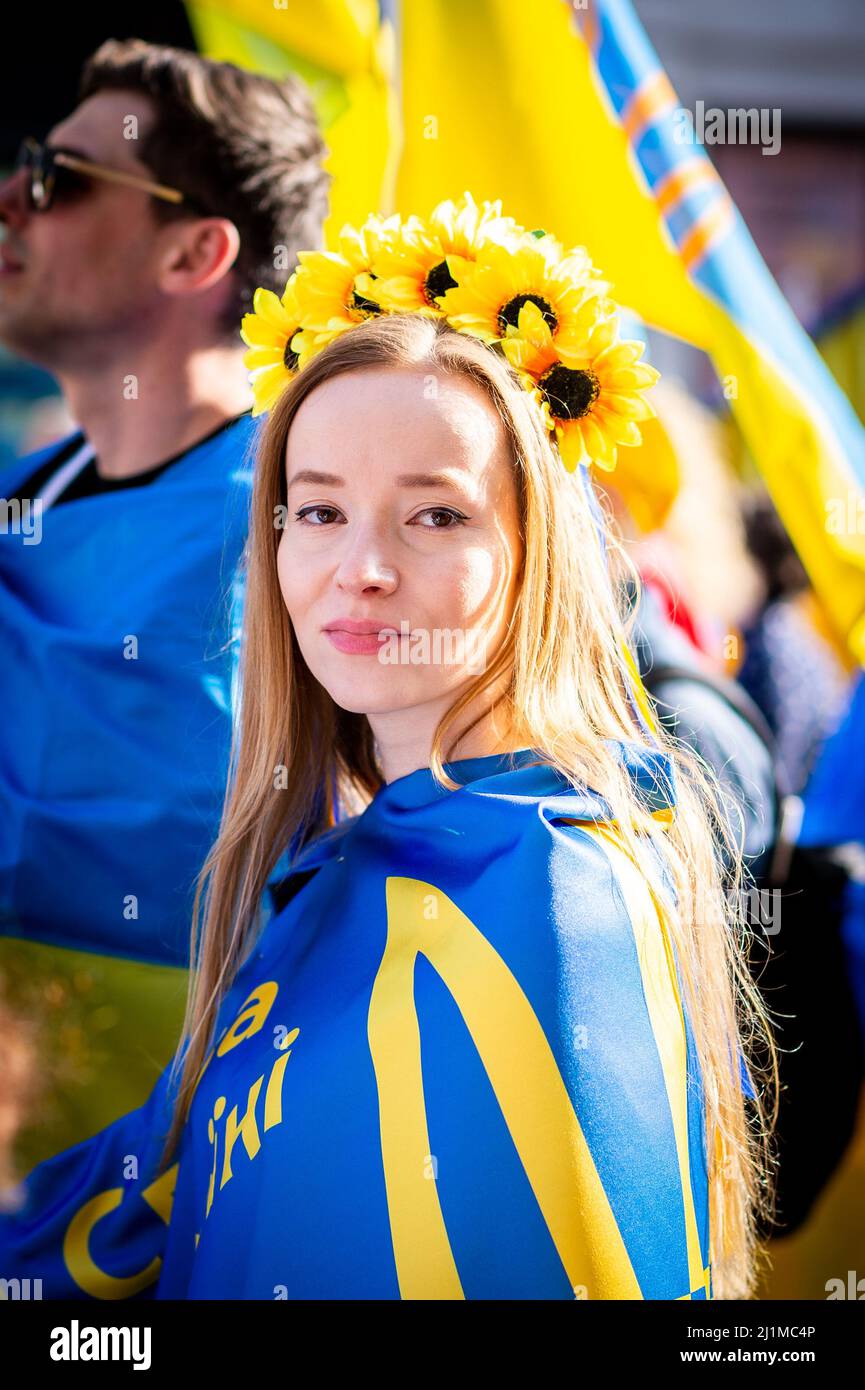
(564, 112)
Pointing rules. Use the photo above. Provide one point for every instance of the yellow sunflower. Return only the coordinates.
(565, 289)
(592, 396)
(426, 259)
(277, 350)
(328, 295)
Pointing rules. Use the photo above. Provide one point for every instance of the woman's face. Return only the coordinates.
(402, 519)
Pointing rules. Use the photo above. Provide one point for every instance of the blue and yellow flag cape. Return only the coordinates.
(456, 1065)
(117, 666)
(564, 112)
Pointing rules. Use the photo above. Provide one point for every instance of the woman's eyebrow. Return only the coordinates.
(444, 478)
(309, 475)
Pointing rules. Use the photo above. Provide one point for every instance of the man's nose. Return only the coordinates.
(13, 201)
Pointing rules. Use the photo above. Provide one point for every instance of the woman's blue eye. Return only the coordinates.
(304, 512)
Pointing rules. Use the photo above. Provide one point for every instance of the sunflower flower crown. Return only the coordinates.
(546, 309)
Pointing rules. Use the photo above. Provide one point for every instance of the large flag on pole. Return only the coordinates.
(564, 112)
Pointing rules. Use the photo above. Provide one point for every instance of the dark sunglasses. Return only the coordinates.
(55, 173)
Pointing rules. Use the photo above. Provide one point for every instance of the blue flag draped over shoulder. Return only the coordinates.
(116, 716)
(455, 1065)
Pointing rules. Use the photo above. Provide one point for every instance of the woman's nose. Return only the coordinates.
(371, 574)
(366, 565)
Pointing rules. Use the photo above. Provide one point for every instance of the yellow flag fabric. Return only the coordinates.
(345, 54)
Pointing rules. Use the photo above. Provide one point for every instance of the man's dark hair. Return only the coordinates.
(237, 144)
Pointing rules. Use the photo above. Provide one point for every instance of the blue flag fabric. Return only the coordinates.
(114, 633)
(455, 1065)
(835, 795)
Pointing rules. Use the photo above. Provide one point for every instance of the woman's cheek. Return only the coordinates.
(475, 587)
(290, 575)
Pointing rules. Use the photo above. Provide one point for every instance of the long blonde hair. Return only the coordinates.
(566, 684)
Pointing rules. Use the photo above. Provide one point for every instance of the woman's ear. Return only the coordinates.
(198, 254)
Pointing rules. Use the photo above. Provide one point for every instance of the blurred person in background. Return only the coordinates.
(674, 504)
(710, 559)
(134, 237)
(790, 669)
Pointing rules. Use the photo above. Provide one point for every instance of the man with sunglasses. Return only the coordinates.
(133, 237)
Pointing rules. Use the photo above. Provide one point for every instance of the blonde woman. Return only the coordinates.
(489, 1047)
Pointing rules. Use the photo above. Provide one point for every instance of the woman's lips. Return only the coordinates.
(357, 643)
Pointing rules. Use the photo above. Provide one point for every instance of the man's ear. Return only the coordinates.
(198, 254)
